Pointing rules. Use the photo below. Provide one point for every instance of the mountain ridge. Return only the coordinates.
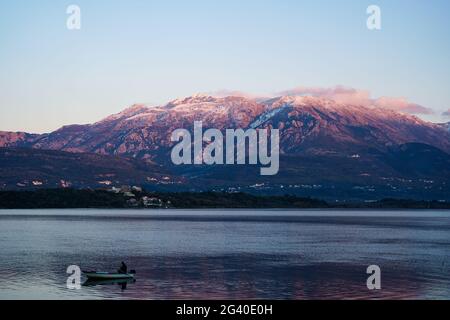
(346, 123)
(327, 149)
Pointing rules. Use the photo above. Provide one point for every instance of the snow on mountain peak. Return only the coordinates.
(196, 98)
(127, 113)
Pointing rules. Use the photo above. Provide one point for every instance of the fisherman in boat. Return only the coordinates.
(123, 268)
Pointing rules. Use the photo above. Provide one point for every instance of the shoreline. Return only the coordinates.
(143, 200)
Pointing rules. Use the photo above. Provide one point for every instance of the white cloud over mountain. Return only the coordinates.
(347, 95)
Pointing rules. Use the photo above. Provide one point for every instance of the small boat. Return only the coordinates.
(91, 282)
(109, 275)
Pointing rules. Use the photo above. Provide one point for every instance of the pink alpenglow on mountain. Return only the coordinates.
(305, 123)
(328, 148)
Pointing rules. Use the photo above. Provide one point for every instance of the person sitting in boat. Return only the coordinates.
(123, 268)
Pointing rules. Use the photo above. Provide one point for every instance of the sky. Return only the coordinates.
(144, 51)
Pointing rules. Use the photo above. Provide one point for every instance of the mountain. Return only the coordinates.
(446, 126)
(328, 149)
(143, 132)
(15, 139)
(307, 124)
(34, 169)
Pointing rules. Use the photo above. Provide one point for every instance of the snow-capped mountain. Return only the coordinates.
(305, 123)
(322, 142)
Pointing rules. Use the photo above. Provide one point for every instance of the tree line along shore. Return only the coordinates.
(140, 199)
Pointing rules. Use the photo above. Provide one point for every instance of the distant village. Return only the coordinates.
(135, 197)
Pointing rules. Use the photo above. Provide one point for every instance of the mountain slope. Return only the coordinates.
(445, 126)
(307, 125)
(30, 168)
(327, 148)
(17, 139)
(320, 125)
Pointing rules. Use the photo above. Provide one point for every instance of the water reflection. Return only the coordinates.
(267, 277)
(122, 283)
(225, 257)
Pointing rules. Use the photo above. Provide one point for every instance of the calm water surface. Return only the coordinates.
(226, 254)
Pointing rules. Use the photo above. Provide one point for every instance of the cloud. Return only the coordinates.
(446, 113)
(347, 95)
(401, 105)
(339, 94)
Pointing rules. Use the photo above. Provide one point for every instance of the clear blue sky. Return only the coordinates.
(130, 51)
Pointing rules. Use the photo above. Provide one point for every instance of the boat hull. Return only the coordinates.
(107, 275)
